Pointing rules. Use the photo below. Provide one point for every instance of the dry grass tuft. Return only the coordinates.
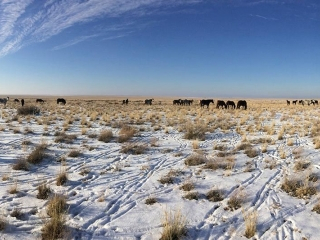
(64, 138)
(316, 208)
(187, 186)
(174, 226)
(37, 155)
(17, 213)
(236, 200)
(151, 201)
(195, 159)
(134, 148)
(105, 136)
(301, 165)
(126, 133)
(62, 178)
(250, 219)
(3, 223)
(74, 153)
(56, 205)
(192, 196)
(21, 164)
(195, 131)
(214, 195)
(28, 110)
(298, 188)
(43, 191)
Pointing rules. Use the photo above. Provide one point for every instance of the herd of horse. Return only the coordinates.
(38, 100)
(241, 104)
(303, 102)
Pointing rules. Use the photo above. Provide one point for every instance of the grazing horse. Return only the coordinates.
(187, 102)
(39, 100)
(206, 102)
(315, 102)
(242, 103)
(301, 102)
(221, 103)
(61, 100)
(16, 100)
(22, 102)
(148, 101)
(177, 102)
(4, 100)
(125, 101)
(231, 104)
(288, 102)
(294, 102)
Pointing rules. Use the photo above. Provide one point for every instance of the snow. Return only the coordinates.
(106, 189)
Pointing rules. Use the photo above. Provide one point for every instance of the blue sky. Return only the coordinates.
(192, 48)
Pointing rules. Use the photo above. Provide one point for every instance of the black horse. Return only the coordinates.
(177, 102)
(187, 102)
(242, 104)
(231, 105)
(62, 101)
(288, 102)
(301, 102)
(206, 102)
(221, 104)
(148, 101)
(16, 100)
(39, 100)
(22, 102)
(294, 102)
(125, 101)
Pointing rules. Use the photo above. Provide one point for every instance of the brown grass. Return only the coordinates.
(62, 178)
(126, 133)
(195, 159)
(187, 186)
(192, 196)
(105, 136)
(174, 226)
(250, 219)
(74, 153)
(195, 131)
(300, 188)
(21, 164)
(214, 195)
(43, 191)
(134, 148)
(56, 205)
(37, 155)
(151, 201)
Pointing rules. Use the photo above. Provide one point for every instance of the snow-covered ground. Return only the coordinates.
(107, 189)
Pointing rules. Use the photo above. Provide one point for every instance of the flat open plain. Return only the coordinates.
(134, 171)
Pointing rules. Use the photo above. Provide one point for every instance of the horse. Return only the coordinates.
(221, 103)
(206, 102)
(177, 102)
(61, 100)
(39, 100)
(148, 101)
(125, 101)
(187, 102)
(16, 100)
(288, 102)
(231, 104)
(242, 103)
(22, 102)
(301, 102)
(315, 102)
(294, 102)
(4, 100)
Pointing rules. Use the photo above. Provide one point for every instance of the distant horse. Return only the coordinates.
(301, 102)
(22, 102)
(16, 100)
(39, 100)
(206, 102)
(187, 102)
(231, 104)
(148, 101)
(288, 102)
(294, 102)
(177, 102)
(61, 100)
(4, 100)
(221, 104)
(125, 101)
(315, 102)
(242, 104)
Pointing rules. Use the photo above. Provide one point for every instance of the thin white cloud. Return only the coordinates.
(27, 21)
